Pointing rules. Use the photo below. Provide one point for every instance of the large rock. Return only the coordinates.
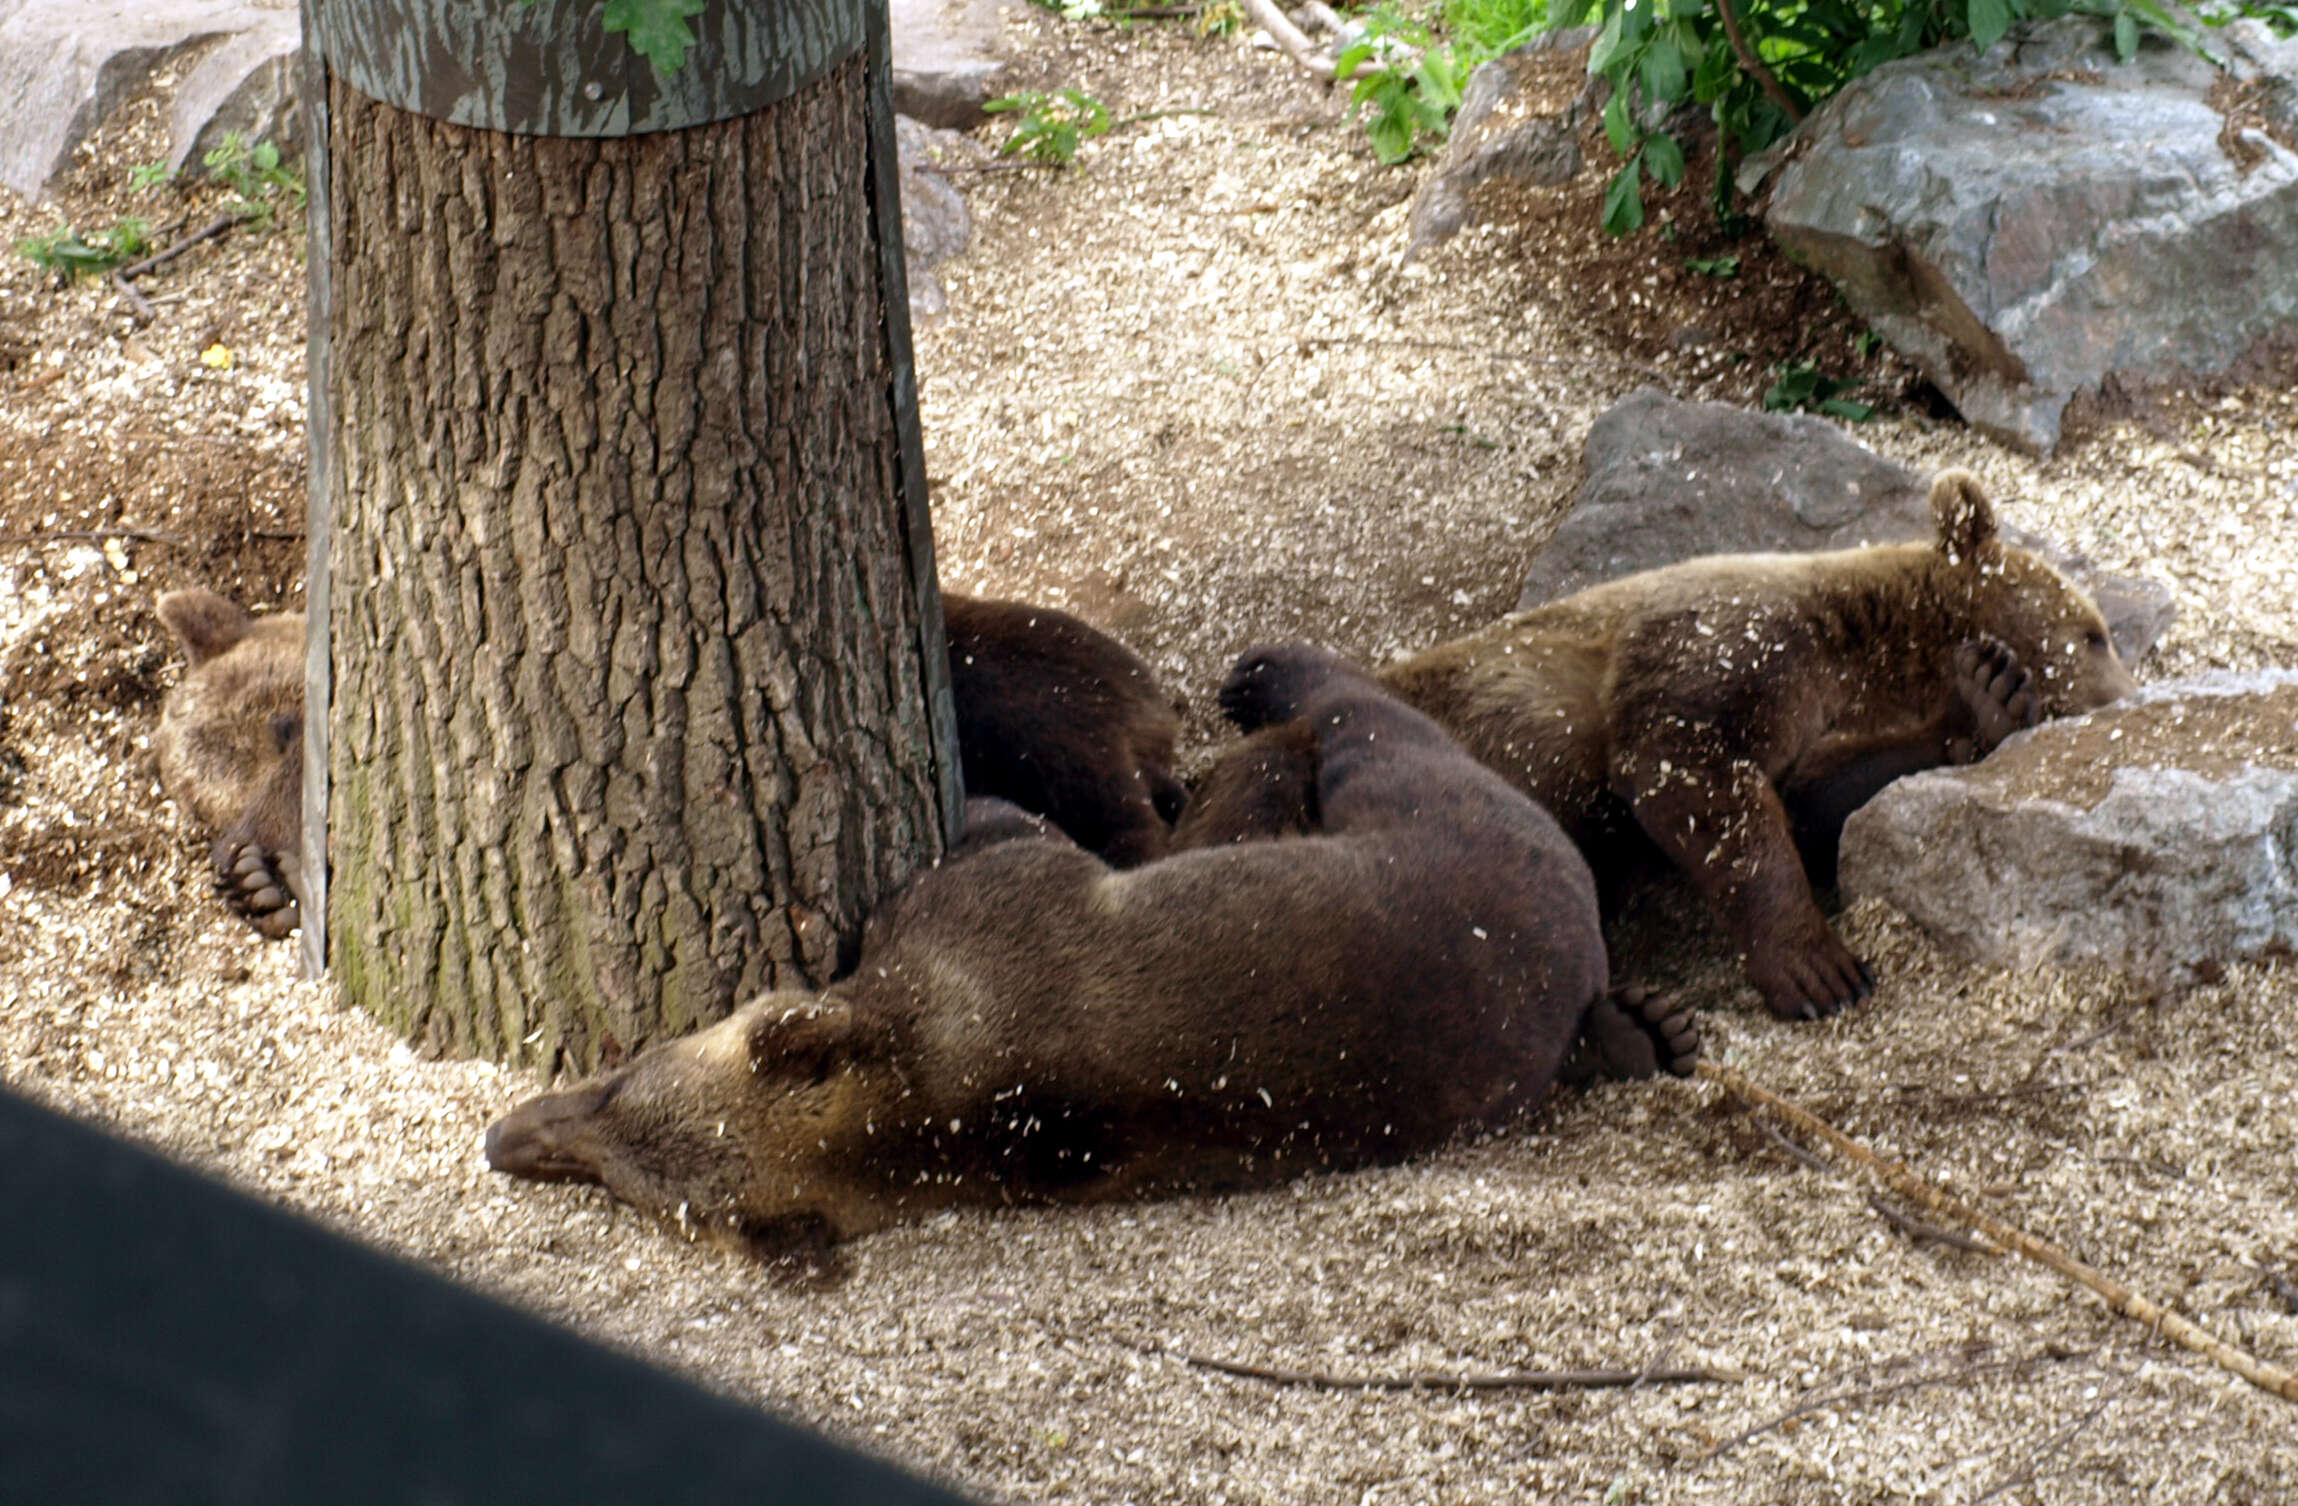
(2032, 223)
(65, 65)
(947, 58)
(2159, 834)
(1519, 122)
(1668, 480)
(936, 225)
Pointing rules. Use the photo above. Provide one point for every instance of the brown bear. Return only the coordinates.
(1063, 720)
(1052, 715)
(1028, 1024)
(1734, 710)
(230, 745)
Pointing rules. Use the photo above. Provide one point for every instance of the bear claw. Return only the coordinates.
(258, 886)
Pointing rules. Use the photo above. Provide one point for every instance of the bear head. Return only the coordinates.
(238, 712)
(763, 1131)
(2056, 631)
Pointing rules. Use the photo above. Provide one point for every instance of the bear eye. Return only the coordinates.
(2096, 638)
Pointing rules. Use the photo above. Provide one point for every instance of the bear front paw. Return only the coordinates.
(1634, 1032)
(1809, 981)
(258, 886)
(1999, 696)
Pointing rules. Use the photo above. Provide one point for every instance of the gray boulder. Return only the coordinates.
(947, 58)
(936, 225)
(1669, 480)
(65, 65)
(2041, 220)
(2159, 834)
(1519, 122)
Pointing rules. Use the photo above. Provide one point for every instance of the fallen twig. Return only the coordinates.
(1795, 1150)
(2025, 1474)
(1289, 38)
(1877, 1393)
(2121, 1298)
(1510, 1380)
(138, 305)
(208, 231)
(1916, 1229)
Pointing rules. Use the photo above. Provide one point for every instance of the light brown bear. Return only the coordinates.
(1734, 710)
(230, 745)
(1052, 714)
(1028, 1024)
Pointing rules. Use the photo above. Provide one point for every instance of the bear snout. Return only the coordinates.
(542, 1139)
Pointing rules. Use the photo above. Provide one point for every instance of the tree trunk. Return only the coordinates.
(629, 705)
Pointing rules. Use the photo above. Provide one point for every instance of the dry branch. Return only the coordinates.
(2119, 1297)
(1878, 1393)
(1431, 1380)
(1916, 1229)
(92, 536)
(212, 228)
(1288, 37)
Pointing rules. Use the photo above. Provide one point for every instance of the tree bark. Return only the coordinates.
(629, 706)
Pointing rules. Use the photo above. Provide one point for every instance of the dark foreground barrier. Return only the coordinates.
(164, 1339)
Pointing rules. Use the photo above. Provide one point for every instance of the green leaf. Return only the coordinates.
(1391, 134)
(1617, 126)
(1663, 71)
(1989, 20)
(1664, 159)
(657, 29)
(1843, 407)
(1624, 201)
(1607, 43)
(2125, 35)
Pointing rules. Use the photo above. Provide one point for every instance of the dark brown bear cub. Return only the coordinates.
(230, 744)
(1027, 1023)
(1722, 708)
(1062, 719)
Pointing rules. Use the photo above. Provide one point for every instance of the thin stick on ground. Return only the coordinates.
(1917, 1230)
(91, 536)
(208, 231)
(1879, 1393)
(2121, 1298)
(138, 305)
(2057, 1443)
(1432, 1380)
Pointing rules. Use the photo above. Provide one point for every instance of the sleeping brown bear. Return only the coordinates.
(1734, 710)
(1052, 714)
(1026, 1023)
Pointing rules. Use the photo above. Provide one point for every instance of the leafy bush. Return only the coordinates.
(1404, 92)
(1050, 127)
(1792, 54)
(1487, 28)
(66, 252)
(259, 181)
(1801, 385)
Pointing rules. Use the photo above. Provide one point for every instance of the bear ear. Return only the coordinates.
(802, 1037)
(203, 622)
(1965, 518)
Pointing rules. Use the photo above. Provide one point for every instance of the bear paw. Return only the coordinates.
(1811, 981)
(1634, 1032)
(258, 886)
(1999, 697)
(1272, 684)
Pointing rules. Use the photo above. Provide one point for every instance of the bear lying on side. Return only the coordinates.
(1052, 715)
(1734, 710)
(1028, 1024)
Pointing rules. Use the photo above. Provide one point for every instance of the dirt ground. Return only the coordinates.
(1185, 389)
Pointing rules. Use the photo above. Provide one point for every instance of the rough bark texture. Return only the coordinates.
(628, 721)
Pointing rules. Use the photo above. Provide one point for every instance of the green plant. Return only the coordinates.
(1801, 385)
(70, 254)
(1487, 28)
(1050, 127)
(1866, 342)
(1404, 92)
(145, 176)
(1714, 266)
(2282, 20)
(259, 181)
(1786, 56)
